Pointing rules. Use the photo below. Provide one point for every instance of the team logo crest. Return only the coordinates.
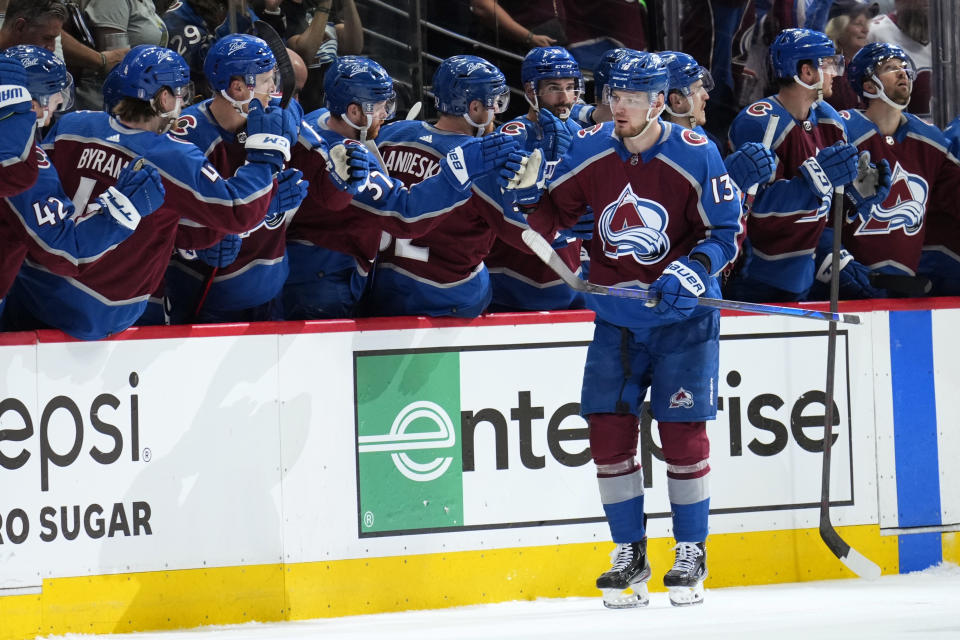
(634, 226)
(183, 126)
(760, 108)
(42, 160)
(903, 208)
(693, 138)
(682, 399)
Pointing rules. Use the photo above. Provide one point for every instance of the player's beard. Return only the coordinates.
(915, 23)
(374, 129)
(900, 95)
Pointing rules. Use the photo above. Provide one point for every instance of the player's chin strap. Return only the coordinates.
(481, 128)
(167, 118)
(688, 113)
(238, 105)
(818, 86)
(882, 95)
(650, 122)
(363, 129)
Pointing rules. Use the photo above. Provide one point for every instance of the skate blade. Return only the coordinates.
(685, 596)
(626, 598)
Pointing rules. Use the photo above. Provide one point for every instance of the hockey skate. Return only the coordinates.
(685, 580)
(625, 585)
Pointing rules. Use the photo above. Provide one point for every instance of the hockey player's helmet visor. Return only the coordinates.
(61, 100)
(833, 65)
(896, 65)
(383, 110)
(631, 101)
(498, 102)
(184, 92)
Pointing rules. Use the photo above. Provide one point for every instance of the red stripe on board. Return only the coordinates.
(422, 322)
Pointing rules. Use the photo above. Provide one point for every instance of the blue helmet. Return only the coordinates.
(237, 55)
(47, 75)
(549, 62)
(111, 89)
(641, 72)
(146, 69)
(792, 46)
(683, 71)
(459, 80)
(868, 60)
(602, 71)
(358, 80)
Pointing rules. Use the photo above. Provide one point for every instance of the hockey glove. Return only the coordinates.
(834, 166)
(223, 253)
(871, 186)
(478, 157)
(270, 134)
(527, 185)
(682, 282)
(556, 137)
(349, 166)
(291, 190)
(13, 83)
(583, 227)
(751, 164)
(137, 193)
(854, 277)
(582, 114)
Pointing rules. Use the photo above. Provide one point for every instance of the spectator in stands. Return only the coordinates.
(192, 25)
(319, 31)
(36, 22)
(594, 27)
(908, 27)
(520, 25)
(40, 23)
(116, 25)
(848, 27)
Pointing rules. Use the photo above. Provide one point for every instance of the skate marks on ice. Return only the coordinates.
(921, 605)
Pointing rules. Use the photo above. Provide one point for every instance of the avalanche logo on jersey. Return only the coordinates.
(682, 399)
(634, 226)
(183, 126)
(903, 208)
(42, 160)
(760, 109)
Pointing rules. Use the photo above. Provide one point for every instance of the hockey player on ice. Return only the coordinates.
(248, 280)
(656, 228)
(552, 84)
(39, 222)
(332, 246)
(789, 216)
(89, 150)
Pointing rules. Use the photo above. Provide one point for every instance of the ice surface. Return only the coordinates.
(921, 605)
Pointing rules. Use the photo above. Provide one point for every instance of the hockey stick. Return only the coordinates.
(768, 134)
(545, 252)
(414, 110)
(855, 561)
(269, 35)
